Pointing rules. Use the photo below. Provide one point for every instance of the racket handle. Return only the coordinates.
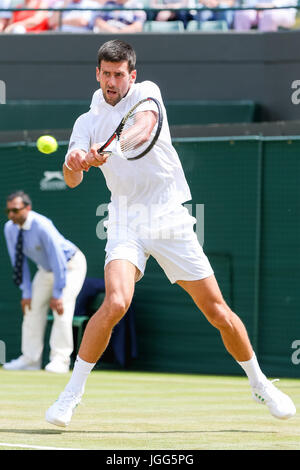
(100, 149)
(104, 152)
(106, 144)
(113, 147)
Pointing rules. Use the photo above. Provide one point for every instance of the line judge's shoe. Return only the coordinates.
(57, 367)
(61, 412)
(280, 405)
(22, 363)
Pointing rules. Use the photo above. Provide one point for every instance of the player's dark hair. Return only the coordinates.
(25, 198)
(117, 51)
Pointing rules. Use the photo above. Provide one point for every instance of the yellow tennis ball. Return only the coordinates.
(47, 144)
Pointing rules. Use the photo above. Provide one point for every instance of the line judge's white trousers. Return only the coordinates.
(35, 319)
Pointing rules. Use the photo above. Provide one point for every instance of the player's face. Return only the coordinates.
(17, 211)
(115, 80)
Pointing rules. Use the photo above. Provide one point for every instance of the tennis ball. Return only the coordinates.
(47, 144)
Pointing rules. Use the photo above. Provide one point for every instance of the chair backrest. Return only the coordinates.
(163, 26)
(194, 25)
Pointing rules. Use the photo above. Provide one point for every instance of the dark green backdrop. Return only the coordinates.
(250, 191)
(61, 114)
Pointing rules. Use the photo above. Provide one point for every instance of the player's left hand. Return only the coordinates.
(57, 305)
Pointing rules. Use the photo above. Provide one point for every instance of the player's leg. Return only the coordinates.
(120, 278)
(208, 298)
(183, 261)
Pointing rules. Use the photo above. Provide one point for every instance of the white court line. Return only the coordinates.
(25, 446)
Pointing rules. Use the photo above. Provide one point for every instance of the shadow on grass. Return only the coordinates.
(44, 432)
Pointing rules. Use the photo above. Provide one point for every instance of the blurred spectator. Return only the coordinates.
(266, 20)
(73, 21)
(169, 15)
(29, 21)
(207, 15)
(120, 20)
(4, 15)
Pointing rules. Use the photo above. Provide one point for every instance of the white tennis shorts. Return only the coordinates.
(172, 242)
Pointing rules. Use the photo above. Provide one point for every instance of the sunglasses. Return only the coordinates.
(14, 210)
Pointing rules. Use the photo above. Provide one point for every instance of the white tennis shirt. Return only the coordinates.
(155, 181)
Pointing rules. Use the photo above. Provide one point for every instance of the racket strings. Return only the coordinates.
(134, 136)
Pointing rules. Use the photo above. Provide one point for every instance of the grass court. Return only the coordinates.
(144, 411)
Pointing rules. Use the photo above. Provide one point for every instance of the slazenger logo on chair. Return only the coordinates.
(53, 181)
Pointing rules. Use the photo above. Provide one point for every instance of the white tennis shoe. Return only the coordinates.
(61, 412)
(21, 363)
(57, 367)
(280, 405)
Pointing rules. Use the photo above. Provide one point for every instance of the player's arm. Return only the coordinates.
(73, 168)
(72, 178)
(144, 124)
(74, 164)
(81, 154)
(79, 161)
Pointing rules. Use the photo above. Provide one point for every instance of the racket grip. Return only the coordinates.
(113, 147)
(106, 144)
(100, 149)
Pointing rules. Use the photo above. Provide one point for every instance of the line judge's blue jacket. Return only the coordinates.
(45, 246)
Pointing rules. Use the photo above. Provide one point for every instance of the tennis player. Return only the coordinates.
(157, 183)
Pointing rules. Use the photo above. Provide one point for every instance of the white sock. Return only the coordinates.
(79, 376)
(253, 371)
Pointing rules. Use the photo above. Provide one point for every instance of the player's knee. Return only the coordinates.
(116, 307)
(219, 315)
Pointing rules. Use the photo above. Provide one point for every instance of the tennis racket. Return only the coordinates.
(138, 131)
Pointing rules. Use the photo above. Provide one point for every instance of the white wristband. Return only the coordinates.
(66, 165)
(66, 158)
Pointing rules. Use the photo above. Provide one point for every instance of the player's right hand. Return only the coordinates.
(76, 160)
(93, 158)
